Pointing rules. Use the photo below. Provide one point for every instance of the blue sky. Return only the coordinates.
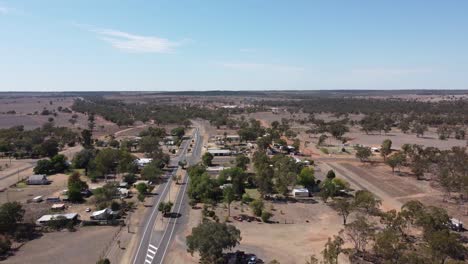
(232, 45)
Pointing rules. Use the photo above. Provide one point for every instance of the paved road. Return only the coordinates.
(153, 244)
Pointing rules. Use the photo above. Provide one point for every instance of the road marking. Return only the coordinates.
(151, 251)
(173, 226)
(155, 248)
(178, 212)
(147, 224)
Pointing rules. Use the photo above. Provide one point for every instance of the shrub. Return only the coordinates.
(266, 216)
(257, 207)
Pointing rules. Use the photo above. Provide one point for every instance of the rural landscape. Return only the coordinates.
(233, 132)
(245, 177)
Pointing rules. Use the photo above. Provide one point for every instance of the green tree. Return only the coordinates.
(87, 138)
(266, 216)
(106, 161)
(82, 159)
(396, 161)
(142, 188)
(50, 147)
(10, 214)
(363, 153)
(331, 175)
(75, 186)
(151, 172)
(165, 207)
(257, 207)
(333, 248)
(360, 232)
(444, 244)
(207, 159)
(228, 198)
(386, 148)
(238, 178)
(130, 178)
(306, 177)
(242, 161)
(344, 207)
(210, 239)
(366, 201)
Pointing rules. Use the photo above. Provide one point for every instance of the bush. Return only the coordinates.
(130, 178)
(257, 207)
(266, 216)
(211, 213)
(5, 245)
(246, 198)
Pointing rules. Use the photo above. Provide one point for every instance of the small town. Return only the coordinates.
(233, 132)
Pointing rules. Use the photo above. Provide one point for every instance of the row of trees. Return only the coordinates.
(398, 110)
(393, 239)
(40, 142)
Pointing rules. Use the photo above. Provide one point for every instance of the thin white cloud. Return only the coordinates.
(133, 43)
(4, 10)
(261, 66)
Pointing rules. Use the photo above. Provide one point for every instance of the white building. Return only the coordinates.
(300, 192)
(47, 218)
(101, 214)
(220, 152)
(38, 179)
(141, 162)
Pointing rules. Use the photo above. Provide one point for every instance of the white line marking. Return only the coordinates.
(149, 256)
(155, 248)
(147, 225)
(147, 261)
(151, 251)
(173, 227)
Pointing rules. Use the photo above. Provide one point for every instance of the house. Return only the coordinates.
(38, 179)
(300, 192)
(103, 214)
(220, 152)
(47, 218)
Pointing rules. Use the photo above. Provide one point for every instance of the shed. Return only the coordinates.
(143, 162)
(300, 192)
(220, 152)
(38, 199)
(38, 179)
(101, 214)
(47, 218)
(60, 206)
